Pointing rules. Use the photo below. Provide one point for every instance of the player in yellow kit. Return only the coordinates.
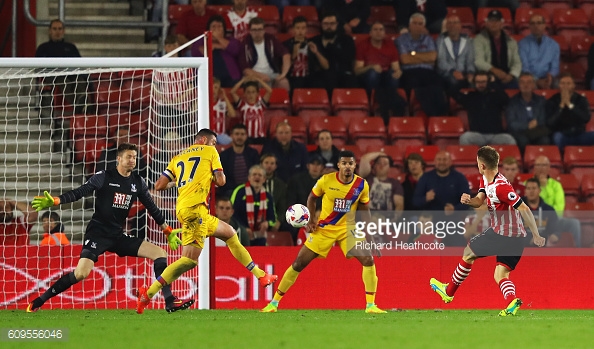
(192, 171)
(343, 193)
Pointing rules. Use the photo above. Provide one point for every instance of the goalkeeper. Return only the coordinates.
(116, 190)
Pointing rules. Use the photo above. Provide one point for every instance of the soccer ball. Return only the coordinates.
(297, 215)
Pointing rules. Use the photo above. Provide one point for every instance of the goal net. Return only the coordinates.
(63, 119)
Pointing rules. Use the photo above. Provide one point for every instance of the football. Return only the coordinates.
(297, 215)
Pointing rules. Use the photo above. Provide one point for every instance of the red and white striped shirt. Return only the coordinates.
(253, 116)
(503, 201)
(300, 64)
(175, 88)
(220, 113)
(240, 24)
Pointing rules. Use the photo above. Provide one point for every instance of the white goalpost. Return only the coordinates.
(62, 119)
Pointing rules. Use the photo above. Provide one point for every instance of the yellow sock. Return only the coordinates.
(243, 256)
(370, 281)
(170, 274)
(287, 281)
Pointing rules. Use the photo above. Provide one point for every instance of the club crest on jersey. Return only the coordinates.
(356, 192)
(133, 188)
(512, 196)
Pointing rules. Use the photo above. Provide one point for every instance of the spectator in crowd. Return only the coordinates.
(568, 112)
(352, 14)
(510, 170)
(254, 207)
(302, 182)
(53, 230)
(238, 19)
(225, 52)
(108, 156)
(440, 190)
(276, 187)
(485, 106)
(545, 215)
(224, 211)
(339, 50)
(417, 58)
(171, 44)
(304, 54)
(237, 159)
(455, 55)
(251, 107)
(539, 53)
(57, 46)
(328, 151)
(553, 194)
(434, 10)
(378, 68)
(385, 193)
(221, 108)
(414, 167)
(497, 53)
(193, 22)
(291, 155)
(526, 116)
(264, 57)
(14, 230)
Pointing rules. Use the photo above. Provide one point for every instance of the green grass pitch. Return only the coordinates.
(307, 329)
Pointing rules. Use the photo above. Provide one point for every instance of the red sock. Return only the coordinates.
(508, 289)
(459, 275)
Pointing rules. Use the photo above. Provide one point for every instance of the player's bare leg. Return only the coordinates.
(508, 289)
(226, 233)
(446, 291)
(159, 258)
(82, 270)
(304, 257)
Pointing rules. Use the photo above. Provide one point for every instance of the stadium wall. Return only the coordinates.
(545, 279)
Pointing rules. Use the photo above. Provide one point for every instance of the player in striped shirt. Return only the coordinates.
(251, 106)
(506, 237)
(221, 108)
(239, 18)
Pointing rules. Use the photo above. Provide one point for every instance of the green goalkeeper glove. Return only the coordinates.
(42, 202)
(173, 240)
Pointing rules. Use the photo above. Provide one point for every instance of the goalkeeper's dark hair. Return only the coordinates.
(346, 154)
(127, 146)
(205, 132)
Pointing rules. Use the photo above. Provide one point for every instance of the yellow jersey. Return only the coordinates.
(192, 170)
(340, 201)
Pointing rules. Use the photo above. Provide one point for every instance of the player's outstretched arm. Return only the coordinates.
(529, 218)
(47, 200)
(475, 202)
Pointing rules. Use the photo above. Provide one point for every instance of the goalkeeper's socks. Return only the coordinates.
(63, 283)
(37, 302)
(169, 300)
(159, 266)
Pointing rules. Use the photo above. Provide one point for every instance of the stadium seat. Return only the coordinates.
(481, 18)
(395, 152)
(464, 157)
(311, 103)
(563, 45)
(511, 92)
(176, 12)
(466, 18)
(137, 124)
(579, 160)
(553, 5)
(551, 151)
(298, 127)
(350, 102)
(590, 125)
(354, 148)
(88, 150)
(333, 124)
(271, 17)
(405, 131)
(367, 131)
(444, 131)
(474, 181)
(571, 186)
(111, 96)
(546, 93)
(570, 22)
(522, 19)
(140, 93)
(386, 16)
(88, 126)
(219, 9)
(357, 38)
(587, 185)
(279, 238)
(258, 147)
(427, 152)
(589, 96)
(577, 71)
(509, 150)
(309, 12)
(580, 210)
(579, 46)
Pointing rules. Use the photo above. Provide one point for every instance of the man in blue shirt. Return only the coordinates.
(539, 53)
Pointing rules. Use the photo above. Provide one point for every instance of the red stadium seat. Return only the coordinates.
(474, 181)
(279, 238)
(350, 102)
(570, 22)
(580, 45)
(219, 9)
(553, 5)
(88, 126)
(546, 93)
(579, 160)
(367, 131)
(571, 186)
(589, 96)
(140, 93)
(309, 12)
(359, 37)
(111, 96)
(88, 150)
(466, 18)
(386, 16)
(550, 151)
(464, 158)
(577, 71)
(580, 210)
(333, 124)
(270, 16)
(563, 45)
(355, 149)
(137, 124)
(587, 185)
(522, 19)
(444, 131)
(407, 131)
(176, 12)
(483, 12)
(395, 152)
(311, 103)
(298, 127)
(279, 102)
(427, 152)
(509, 150)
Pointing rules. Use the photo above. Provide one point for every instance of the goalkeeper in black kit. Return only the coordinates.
(116, 190)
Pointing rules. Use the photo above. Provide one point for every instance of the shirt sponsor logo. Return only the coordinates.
(114, 185)
(342, 205)
(121, 200)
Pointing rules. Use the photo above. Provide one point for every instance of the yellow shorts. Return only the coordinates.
(197, 224)
(321, 241)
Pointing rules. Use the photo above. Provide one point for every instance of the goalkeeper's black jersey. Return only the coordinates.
(114, 196)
